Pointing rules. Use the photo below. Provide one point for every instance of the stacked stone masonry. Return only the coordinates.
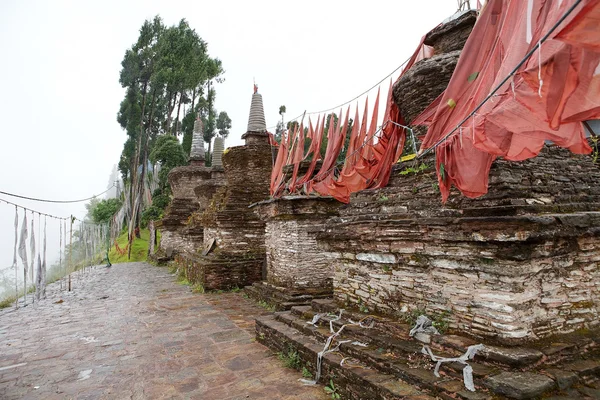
(292, 224)
(177, 234)
(519, 263)
(233, 236)
(416, 89)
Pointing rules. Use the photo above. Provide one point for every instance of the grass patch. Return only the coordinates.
(198, 288)
(182, 280)
(266, 306)
(139, 249)
(7, 302)
(440, 320)
(290, 359)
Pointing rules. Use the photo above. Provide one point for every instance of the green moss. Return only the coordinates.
(182, 280)
(414, 170)
(583, 304)
(198, 288)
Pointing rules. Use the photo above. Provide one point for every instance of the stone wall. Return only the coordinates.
(183, 180)
(180, 231)
(427, 79)
(238, 251)
(520, 263)
(452, 35)
(292, 224)
(228, 219)
(213, 272)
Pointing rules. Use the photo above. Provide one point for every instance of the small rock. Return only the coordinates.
(519, 385)
(564, 379)
(515, 356)
(584, 367)
(466, 395)
(590, 392)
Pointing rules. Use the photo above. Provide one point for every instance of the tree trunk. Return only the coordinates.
(177, 119)
(136, 162)
(151, 241)
(170, 106)
(209, 154)
(193, 99)
(135, 180)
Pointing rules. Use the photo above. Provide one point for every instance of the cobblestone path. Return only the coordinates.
(131, 331)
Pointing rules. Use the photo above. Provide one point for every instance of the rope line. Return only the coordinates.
(34, 211)
(49, 215)
(514, 71)
(55, 201)
(351, 100)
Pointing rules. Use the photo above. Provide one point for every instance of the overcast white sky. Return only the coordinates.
(61, 61)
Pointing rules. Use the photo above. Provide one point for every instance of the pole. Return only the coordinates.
(70, 253)
(15, 259)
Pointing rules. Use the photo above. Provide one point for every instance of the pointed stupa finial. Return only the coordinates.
(197, 151)
(256, 121)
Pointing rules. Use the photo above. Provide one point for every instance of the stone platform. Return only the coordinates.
(383, 362)
(219, 271)
(518, 264)
(296, 270)
(284, 298)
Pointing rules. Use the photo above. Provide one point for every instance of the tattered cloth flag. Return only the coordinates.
(32, 248)
(43, 279)
(15, 257)
(38, 278)
(23, 253)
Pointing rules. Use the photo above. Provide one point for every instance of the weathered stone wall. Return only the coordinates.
(427, 79)
(217, 273)
(519, 263)
(238, 254)
(180, 231)
(452, 35)
(292, 224)
(183, 180)
(416, 89)
(173, 238)
(235, 227)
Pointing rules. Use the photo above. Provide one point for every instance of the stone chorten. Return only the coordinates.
(217, 156)
(257, 126)
(197, 151)
(518, 264)
(234, 244)
(180, 231)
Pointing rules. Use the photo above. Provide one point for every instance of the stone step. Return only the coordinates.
(398, 361)
(284, 298)
(514, 357)
(353, 383)
(396, 357)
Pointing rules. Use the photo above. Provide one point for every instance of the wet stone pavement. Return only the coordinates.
(131, 331)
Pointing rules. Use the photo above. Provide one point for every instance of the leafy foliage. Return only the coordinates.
(105, 209)
(167, 74)
(169, 153)
(223, 124)
(291, 358)
(332, 390)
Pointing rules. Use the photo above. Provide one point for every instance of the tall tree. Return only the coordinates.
(165, 69)
(223, 124)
